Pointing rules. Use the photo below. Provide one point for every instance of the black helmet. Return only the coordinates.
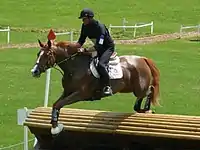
(86, 12)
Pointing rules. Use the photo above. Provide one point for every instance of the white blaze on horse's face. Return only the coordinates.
(35, 71)
(38, 60)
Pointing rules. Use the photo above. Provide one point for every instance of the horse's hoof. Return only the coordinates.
(150, 112)
(57, 129)
(141, 111)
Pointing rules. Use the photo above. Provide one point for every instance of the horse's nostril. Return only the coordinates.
(35, 71)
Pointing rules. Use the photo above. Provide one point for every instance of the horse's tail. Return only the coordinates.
(155, 82)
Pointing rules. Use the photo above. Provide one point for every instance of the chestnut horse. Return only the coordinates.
(140, 76)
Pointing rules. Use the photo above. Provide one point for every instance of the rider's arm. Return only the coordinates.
(82, 37)
(100, 39)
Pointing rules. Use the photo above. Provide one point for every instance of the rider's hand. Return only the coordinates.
(82, 49)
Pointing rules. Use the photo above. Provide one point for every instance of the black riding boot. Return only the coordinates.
(106, 86)
(104, 79)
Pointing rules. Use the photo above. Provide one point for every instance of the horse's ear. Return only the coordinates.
(40, 43)
(49, 43)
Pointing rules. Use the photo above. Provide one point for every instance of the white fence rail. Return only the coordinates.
(67, 33)
(189, 27)
(135, 26)
(8, 33)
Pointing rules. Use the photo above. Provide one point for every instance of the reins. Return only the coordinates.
(68, 58)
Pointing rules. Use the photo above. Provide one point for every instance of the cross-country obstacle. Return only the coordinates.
(93, 129)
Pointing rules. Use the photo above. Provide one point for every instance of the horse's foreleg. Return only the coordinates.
(55, 112)
(72, 98)
(62, 101)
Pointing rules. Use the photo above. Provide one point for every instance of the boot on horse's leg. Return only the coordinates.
(147, 105)
(56, 128)
(137, 106)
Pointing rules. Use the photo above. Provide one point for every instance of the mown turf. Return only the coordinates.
(167, 15)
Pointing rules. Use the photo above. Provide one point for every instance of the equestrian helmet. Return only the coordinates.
(86, 12)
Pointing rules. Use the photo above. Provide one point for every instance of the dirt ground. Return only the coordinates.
(138, 41)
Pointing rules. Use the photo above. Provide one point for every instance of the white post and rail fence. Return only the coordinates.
(135, 26)
(182, 28)
(8, 30)
(8, 33)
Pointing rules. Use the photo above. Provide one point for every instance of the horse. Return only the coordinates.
(129, 74)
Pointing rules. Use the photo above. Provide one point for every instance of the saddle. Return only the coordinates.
(113, 68)
(114, 60)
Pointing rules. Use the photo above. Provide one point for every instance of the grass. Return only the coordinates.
(167, 15)
(64, 13)
(177, 60)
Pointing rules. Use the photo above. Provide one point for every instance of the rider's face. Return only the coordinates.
(86, 20)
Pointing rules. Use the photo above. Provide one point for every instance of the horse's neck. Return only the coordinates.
(75, 65)
(67, 46)
(61, 55)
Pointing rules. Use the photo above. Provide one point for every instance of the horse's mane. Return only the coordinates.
(71, 49)
(67, 45)
(62, 44)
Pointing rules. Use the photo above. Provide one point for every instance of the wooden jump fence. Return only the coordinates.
(92, 129)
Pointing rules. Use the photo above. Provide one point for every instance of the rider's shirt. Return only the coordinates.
(99, 35)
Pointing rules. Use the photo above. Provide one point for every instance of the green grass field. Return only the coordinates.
(167, 15)
(64, 13)
(178, 60)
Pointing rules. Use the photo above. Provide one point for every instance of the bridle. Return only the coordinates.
(54, 65)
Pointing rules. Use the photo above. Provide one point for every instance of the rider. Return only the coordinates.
(103, 43)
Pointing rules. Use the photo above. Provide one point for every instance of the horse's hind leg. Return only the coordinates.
(140, 91)
(147, 105)
(137, 105)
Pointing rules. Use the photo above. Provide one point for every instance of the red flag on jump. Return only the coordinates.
(51, 35)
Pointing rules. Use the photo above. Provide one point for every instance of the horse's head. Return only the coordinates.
(51, 54)
(45, 59)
